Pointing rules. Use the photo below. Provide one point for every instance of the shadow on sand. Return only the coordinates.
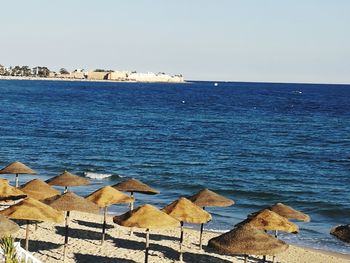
(36, 245)
(85, 258)
(157, 237)
(91, 224)
(168, 252)
(80, 233)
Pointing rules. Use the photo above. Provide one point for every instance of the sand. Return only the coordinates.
(85, 245)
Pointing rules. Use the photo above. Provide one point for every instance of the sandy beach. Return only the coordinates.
(85, 245)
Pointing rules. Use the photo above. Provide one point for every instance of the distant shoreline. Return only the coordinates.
(87, 80)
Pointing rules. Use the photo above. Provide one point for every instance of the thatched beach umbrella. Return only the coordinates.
(268, 220)
(17, 168)
(186, 211)
(148, 217)
(71, 202)
(288, 212)
(341, 232)
(134, 186)
(31, 209)
(247, 240)
(39, 190)
(8, 192)
(105, 197)
(7, 226)
(206, 198)
(67, 179)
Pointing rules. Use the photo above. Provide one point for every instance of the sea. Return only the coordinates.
(256, 143)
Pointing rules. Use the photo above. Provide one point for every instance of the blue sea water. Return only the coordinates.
(256, 143)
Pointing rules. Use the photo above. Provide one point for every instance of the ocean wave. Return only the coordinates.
(99, 176)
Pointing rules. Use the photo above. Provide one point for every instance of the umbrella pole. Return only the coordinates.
(147, 245)
(66, 236)
(245, 258)
(181, 240)
(201, 234)
(16, 180)
(27, 235)
(65, 189)
(276, 233)
(104, 224)
(131, 208)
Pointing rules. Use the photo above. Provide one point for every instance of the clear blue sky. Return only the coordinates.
(257, 40)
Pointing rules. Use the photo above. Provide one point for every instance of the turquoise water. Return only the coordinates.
(255, 143)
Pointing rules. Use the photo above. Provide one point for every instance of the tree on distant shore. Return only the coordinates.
(41, 72)
(63, 71)
(103, 70)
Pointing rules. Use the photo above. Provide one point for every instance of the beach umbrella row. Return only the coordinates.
(182, 210)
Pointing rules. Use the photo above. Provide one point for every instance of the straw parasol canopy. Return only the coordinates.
(269, 220)
(71, 202)
(31, 209)
(8, 192)
(206, 198)
(186, 211)
(39, 190)
(341, 232)
(17, 168)
(132, 185)
(247, 240)
(146, 216)
(7, 226)
(106, 196)
(67, 179)
(288, 212)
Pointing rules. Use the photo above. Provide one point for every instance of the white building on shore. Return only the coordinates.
(152, 77)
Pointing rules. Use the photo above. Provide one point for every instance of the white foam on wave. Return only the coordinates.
(96, 175)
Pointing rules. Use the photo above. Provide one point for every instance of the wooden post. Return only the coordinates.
(27, 236)
(201, 234)
(104, 224)
(131, 208)
(181, 240)
(16, 180)
(66, 236)
(147, 245)
(245, 258)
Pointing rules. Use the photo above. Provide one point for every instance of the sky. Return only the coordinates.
(230, 40)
